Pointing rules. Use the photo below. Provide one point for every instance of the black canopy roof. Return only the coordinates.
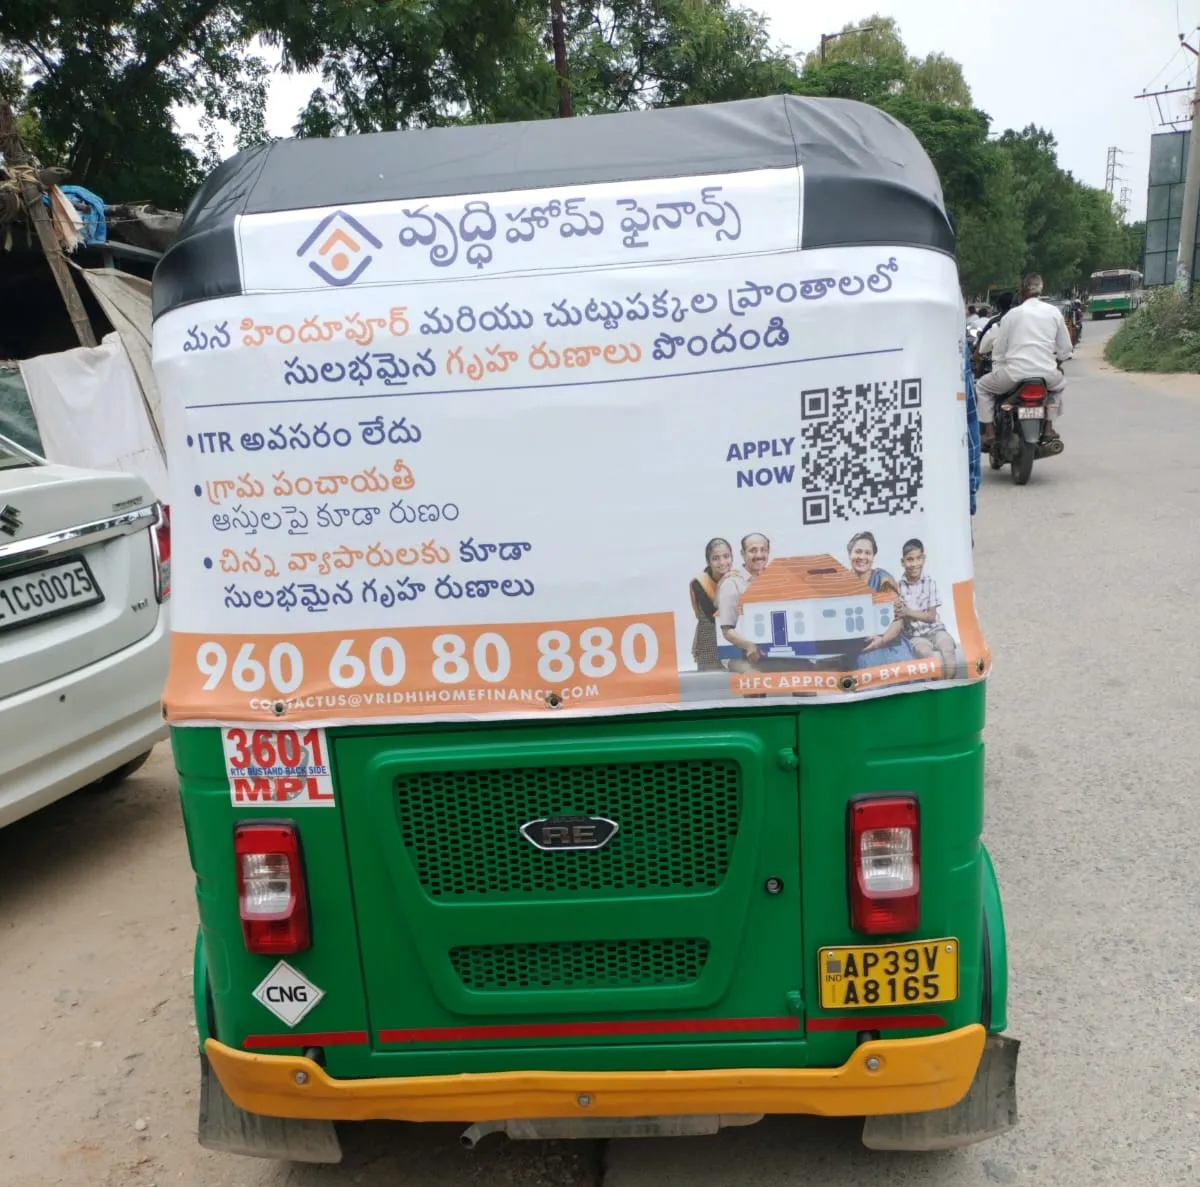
(867, 179)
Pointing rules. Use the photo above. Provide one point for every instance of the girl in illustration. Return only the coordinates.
(891, 646)
(718, 560)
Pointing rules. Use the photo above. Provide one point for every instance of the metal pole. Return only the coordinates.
(824, 38)
(1184, 279)
(35, 209)
(558, 33)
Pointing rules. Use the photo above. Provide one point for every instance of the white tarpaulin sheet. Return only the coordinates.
(90, 412)
(125, 300)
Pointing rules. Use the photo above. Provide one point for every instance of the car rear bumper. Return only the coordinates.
(885, 1076)
(68, 732)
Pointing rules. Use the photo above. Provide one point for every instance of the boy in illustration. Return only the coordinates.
(918, 610)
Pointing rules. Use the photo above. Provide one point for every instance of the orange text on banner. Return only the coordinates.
(592, 663)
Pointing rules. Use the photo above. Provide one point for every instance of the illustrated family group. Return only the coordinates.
(798, 612)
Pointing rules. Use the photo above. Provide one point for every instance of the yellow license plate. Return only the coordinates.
(917, 974)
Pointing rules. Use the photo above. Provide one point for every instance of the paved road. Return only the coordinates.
(1085, 577)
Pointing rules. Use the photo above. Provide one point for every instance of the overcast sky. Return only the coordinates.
(1073, 66)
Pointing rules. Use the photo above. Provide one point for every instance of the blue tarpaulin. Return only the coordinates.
(91, 211)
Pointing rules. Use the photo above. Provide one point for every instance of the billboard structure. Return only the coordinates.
(1164, 205)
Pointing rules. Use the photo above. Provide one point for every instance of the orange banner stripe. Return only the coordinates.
(970, 634)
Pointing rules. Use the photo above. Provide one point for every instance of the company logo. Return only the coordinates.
(10, 519)
(569, 832)
(337, 249)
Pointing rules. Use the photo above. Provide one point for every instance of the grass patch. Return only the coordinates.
(1163, 335)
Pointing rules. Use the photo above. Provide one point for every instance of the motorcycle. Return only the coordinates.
(1020, 424)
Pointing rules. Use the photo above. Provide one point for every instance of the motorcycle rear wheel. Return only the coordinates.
(1022, 465)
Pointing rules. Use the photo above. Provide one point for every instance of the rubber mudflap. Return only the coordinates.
(988, 1110)
(225, 1127)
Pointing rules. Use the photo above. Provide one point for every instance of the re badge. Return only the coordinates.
(288, 994)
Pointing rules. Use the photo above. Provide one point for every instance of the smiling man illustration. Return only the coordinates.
(756, 552)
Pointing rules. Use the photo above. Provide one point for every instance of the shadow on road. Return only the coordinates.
(398, 1155)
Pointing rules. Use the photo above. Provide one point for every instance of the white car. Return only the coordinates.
(84, 582)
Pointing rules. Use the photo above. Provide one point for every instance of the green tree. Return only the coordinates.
(436, 63)
(871, 83)
(939, 79)
(1134, 235)
(404, 64)
(669, 53)
(880, 47)
(873, 41)
(991, 234)
(106, 75)
(955, 139)
(1051, 205)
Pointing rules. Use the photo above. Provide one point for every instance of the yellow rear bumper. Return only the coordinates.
(881, 1077)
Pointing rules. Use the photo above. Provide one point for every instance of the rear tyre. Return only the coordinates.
(1022, 466)
(117, 777)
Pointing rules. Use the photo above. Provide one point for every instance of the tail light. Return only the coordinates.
(885, 865)
(272, 896)
(162, 553)
(1032, 393)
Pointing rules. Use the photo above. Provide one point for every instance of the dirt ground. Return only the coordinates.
(98, 1046)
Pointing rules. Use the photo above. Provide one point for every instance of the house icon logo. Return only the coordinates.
(337, 249)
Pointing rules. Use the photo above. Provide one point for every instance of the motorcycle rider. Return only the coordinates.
(1031, 342)
(987, 339)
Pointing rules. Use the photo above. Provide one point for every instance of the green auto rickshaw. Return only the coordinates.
(577, 691)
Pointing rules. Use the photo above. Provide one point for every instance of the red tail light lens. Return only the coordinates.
(162, 554)
(885, 865)
(272, 895)
(1032, 393)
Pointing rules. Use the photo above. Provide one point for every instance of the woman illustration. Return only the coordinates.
(891, 646)
(718, 560)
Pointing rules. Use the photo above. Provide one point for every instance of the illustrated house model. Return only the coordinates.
(809, 607)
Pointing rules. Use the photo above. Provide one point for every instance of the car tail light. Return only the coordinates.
(272, 896)
(1032, 393)
(885, 865)
(162, 553)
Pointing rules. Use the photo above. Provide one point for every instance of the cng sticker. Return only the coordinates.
(288, 994)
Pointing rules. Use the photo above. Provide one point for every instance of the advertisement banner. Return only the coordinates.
(618, 448)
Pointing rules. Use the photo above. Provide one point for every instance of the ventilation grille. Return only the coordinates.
(597, 964)
(677, 825)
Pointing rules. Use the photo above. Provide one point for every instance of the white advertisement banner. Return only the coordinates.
(682, 482)
(438, 239)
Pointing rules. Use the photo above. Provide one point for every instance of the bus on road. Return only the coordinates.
(1117, 290)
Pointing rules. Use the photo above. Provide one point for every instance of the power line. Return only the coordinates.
(1164, 67)
(1184, 70)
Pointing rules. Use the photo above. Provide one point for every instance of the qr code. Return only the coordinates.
(860, 450)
